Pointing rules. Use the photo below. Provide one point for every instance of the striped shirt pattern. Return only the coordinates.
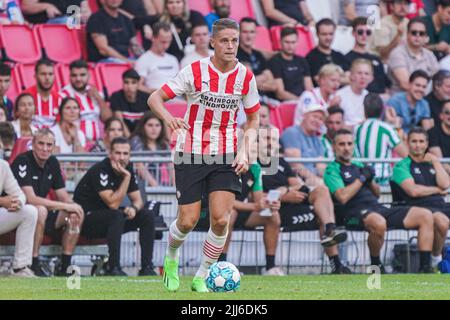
(327, 147)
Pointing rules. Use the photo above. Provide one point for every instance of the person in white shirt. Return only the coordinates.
(352, 95)
(15, 214)
(156, 66)
(329, 80)
(68, 137)
(200, 38)
(24, 110)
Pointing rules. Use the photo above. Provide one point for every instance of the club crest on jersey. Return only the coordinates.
(103, 179)
(238, 86)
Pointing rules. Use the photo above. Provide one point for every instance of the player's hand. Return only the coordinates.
(177, 124)
(295, 196)
(52, 11)
(240, 163)
(130, 212)
(74, 208)
(429, 157)
(274, 205)
(368, 172)
(120, 169)
(9, 203)
(15, 205)
(443, 193)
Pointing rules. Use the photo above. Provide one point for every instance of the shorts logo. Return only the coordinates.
(103, 179)
(178, 194)
(22, 171)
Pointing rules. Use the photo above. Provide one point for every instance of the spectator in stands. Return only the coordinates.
(45, 95)
(392, 29)
(130, 103)
(3, 114)
(329, 79)
(323, 54)
(246, 54)
(422, 181)
(264, 116)
(352, 95)
(438, 28)
(200, 38)
(304, 141)
(15, 214)
(68, 137)
(55, 11)
(110, 35)
(94, 109)
(141, 12)
(7, 139)
(5, 15)
(351, 9)
(362, 33)
(177, 14)
(291, 72)
(5, 82)
(24, 111)
(101, 192)
(157, 66)
(37, 172)
(287, 12)
(411, 56)
(221, 9)
(114, 128)
(440, 136)
(439, 95)
(376, 139)
(411, 106)
(356, 201)
(150, 135)
(334, 122)
(296, 197)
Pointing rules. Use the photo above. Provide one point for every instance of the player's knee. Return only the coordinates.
(275, 220)
(441, 222)
(425, 217)
(220, 223)
(377, 225)
(186, 224)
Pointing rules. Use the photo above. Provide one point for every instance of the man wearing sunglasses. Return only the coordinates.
(362, 33)
(440, 135)
(411, 56)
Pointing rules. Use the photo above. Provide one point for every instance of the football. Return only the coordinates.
(223, 277)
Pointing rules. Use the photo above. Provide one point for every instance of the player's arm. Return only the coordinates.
(416, 190)
(438, 153)
(51, 205)
(345, 194)
(113, 199)
(156, 104)
(442, 178)
(101, 42)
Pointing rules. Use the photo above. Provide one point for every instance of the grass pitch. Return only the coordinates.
(304, 287)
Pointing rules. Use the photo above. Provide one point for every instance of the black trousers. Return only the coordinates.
(111, 224)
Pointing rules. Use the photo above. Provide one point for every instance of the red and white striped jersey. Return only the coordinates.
(89, 112)
(213, 100)
(46, 111)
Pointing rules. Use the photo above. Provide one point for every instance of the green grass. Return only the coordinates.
(410, 286)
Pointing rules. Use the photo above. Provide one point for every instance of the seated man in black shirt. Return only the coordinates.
(440, 135)
(291, 72)
(101, 192)
(130, 103)
(356, 201)
(54, 11)
(296, 199)
(110, 35)
(421, 180)
(439, 95)
(265, 81)
(38, 172)
(323, 54)
(362, 32)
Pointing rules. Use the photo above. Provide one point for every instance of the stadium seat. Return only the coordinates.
(177, 109)
(287, 111)
(82, 40)
(26, 73)
(20, 43)
(240, 9)
(93, 5)
(20, 146)
(262, 40)
(305, 39)
(202, 6)
(16, 84)
(63, 75)
(66, 49)
(110, 76)
(275, 118)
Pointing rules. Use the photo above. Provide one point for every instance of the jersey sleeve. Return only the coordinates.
(401, 172)
(101, 180)
(332, 178)
(21, 170)
(180, 84)
(394, 139)
(251, 99)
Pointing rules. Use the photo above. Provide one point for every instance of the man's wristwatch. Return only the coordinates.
(134, 207)
(362, 178)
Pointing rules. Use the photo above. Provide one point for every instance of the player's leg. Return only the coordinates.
(376, 225)
(441, 225)
(38, 268)
(323, 208)
(233, 218)
(220, 208)
(422, 220)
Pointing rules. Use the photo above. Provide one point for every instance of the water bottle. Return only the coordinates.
(14, 13)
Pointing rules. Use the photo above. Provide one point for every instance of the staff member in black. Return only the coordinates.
(356, 194)
(38, 172)
(421, 180)
(101, 192)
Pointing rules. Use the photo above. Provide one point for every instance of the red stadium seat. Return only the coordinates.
(16, 84)
(305, 40)
(20, 43)
(176, 109)
(63, 75)
(82, 40)
(93, 5)
(20, 146)
(110, 75)
(275, 118)
(262, 40)
(240, 9)
(8, 239)
(287, 112)
(60, 43)
(26, 72)
(202, 6)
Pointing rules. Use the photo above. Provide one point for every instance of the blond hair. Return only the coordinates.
(330, 69)
(361, 61)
